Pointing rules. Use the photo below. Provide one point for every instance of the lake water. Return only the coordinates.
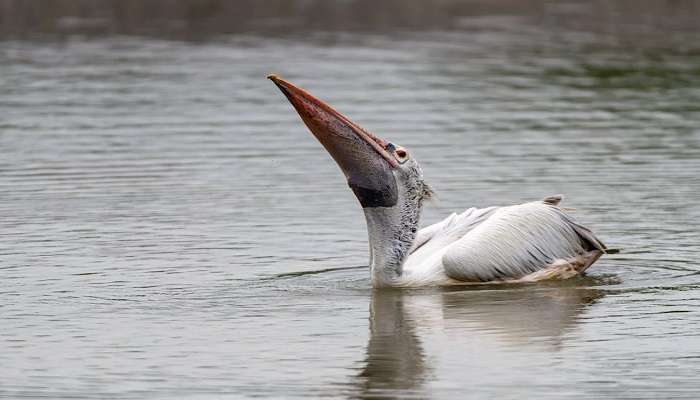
(170, 229)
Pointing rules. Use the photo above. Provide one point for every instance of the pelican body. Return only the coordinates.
(521, 243)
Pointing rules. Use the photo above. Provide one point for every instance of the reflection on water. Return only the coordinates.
(521, 316)
(397, 365)
(169, 229)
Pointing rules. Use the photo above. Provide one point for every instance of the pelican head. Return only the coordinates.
(384, 176)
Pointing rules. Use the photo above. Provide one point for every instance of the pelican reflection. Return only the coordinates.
(456, 322)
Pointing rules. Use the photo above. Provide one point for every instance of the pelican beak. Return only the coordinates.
(361, 156)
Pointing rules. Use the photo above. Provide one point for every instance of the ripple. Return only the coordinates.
(169, 227)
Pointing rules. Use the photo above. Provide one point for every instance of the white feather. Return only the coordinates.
(495, 244)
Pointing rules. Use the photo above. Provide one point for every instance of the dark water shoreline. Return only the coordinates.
(623, 22)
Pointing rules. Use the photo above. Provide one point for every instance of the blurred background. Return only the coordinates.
(168, 227)
(622, 21)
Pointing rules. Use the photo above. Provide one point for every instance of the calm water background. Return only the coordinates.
(170, 229)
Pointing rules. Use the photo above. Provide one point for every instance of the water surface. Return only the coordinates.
(170, 229)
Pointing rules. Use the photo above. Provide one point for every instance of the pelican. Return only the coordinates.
(521, 243)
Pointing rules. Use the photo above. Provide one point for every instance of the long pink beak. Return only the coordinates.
(361, 156)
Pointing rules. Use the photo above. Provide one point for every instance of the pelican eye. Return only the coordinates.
(401, 154)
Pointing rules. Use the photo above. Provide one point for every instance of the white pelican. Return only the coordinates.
(521, 243)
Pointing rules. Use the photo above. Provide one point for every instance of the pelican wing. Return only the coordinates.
(515, 241)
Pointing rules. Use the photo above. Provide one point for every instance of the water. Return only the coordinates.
(170, 230)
